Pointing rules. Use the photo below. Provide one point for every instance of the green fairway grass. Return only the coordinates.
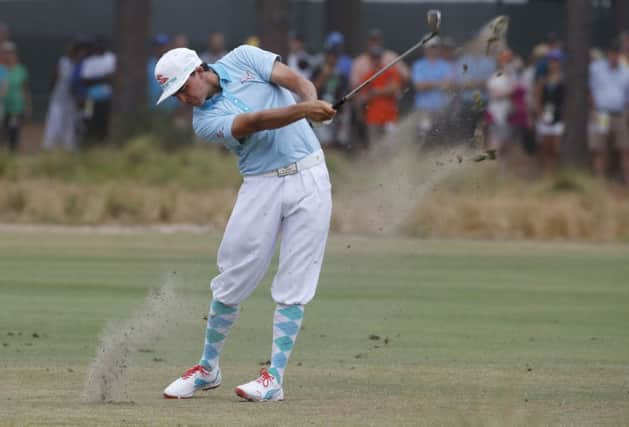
(402, 332)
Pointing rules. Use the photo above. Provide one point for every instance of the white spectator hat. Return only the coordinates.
(433, 42)
(173, 69)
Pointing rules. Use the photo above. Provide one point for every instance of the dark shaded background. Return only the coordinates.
(42, 28)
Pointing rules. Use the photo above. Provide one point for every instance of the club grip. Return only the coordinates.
(338, 104)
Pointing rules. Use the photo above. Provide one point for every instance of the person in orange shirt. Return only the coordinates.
(363, 63)
(380, 99)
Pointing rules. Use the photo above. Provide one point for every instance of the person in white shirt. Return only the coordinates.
(609, 86)
(298, 59)
(97, 75)
(61, 120)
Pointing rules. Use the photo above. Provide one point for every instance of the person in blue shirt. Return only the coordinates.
(244, 102)
(336, 41)
(472, 70)
(432, 78)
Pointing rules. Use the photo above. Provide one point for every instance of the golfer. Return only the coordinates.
(244, 102)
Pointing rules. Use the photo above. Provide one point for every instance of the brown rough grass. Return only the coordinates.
(505, 216)
(413, 194)
(56, 202)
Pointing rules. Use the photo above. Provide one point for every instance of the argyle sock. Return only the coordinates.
(219, 322)
(286, 325)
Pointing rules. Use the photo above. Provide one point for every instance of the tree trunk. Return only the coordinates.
(577, 88)
(273, 19)
(132, 29)
(344, 16)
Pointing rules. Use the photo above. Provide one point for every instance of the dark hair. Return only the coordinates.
(552, 37)
(299, 37)
(205, 66)
(376, 34)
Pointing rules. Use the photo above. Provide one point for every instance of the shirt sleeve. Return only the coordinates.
(261, 61)
(215, 128)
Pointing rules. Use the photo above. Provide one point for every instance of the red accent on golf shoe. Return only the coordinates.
(242, 394)
(265, 378)
(196, 368)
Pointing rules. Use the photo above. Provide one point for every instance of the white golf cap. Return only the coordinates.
(173, 69)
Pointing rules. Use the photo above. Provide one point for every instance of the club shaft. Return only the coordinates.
(385, 68)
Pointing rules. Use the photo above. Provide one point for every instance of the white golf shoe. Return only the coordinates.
(264, 389)
(194, 379)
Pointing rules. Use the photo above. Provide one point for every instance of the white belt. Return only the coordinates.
(307, 162)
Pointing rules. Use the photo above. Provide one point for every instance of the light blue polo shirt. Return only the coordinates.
(244, 76)
(474, 68)
(609, 86)
(438, 70)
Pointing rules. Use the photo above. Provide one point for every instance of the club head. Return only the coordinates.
(434, 20)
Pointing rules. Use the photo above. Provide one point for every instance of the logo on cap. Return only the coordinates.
(161, 79)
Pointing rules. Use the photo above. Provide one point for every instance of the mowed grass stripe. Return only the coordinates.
(476, 333)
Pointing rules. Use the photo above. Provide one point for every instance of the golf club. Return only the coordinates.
(434, 21)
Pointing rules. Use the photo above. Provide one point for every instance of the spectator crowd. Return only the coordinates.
(494, 97)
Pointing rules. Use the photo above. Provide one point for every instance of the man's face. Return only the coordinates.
(161, 49)
(180, 40)
(10, 57)
(374, 43)
(296, 45)
(554, 65)
(194, 91)
(432, 52)
(613, 57)
(331, 58)
(217, 42)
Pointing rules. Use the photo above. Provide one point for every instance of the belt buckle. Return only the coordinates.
(288, 170)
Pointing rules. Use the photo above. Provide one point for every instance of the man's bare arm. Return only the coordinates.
(247, 123)
(291, 80)
(316, 111)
